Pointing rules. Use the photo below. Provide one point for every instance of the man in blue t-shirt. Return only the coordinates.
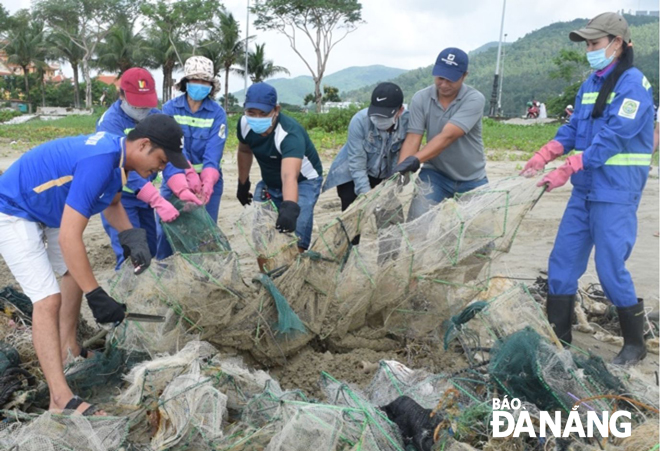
(46, 200)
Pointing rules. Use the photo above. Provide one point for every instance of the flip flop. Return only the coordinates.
(75, 402)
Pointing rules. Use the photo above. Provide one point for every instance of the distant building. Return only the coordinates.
(340, 105)
(53, 73)
(109, 80)
(648, 13)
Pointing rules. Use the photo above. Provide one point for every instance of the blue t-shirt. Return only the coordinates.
(115, 121)
(84, 172)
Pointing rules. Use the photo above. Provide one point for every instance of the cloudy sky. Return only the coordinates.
(409, 34)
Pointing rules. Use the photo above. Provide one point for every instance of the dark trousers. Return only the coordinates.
(347, 194)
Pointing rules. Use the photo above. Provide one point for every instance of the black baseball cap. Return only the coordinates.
(166, 133)
(386, 100)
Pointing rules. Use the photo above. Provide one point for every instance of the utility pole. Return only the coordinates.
(493, 97)
(247, 34)
(499, 95)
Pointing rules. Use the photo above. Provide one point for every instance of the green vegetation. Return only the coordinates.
(528, 63)
(327, 131)
(6, 115)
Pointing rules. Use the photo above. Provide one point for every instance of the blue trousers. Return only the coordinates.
(442, 187)
(142, 217)
(308, 194)
(212, 208)
(609, 228)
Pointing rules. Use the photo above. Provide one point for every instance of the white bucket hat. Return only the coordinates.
(199, 68)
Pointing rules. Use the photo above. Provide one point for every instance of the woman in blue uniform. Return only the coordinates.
(611, 132)
(204, 125)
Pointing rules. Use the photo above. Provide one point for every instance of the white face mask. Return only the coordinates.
(137, 114)
(383, 123)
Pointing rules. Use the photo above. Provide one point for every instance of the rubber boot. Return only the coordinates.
(632, 328)
(560, 309)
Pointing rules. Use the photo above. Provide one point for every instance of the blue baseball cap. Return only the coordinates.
(451, 64)
(261, 96)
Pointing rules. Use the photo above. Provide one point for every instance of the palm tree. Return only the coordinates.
(66, 49)
(164, 52)
(121, 49)
(260, 68)
(224, 47)
(27, 47)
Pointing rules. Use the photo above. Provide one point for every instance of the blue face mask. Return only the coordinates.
(197, 92)
(259, 124)
(598, 60)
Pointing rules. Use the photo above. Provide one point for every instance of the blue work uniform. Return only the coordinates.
(141, 215)
(204, 136)
(602, 211)
(84, 172)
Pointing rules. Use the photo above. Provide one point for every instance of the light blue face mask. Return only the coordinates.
(197, 92)
(259, 124)
(598, 60)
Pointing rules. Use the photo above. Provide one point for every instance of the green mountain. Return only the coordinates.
(294, 90)
(527, 64)
(487, 46)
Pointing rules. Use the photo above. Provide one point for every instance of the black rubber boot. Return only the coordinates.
(560, 315)
(632, 328)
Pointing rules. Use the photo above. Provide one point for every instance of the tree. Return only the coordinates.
(315, 19)
(330, 94)
(5, 25)
(94, 20)
(260, 68)
(66, 49)
(122, 49)
(229, 101)
(26, 46)
(162, 52)
(175, 27)
(571, 65)
(225, 48)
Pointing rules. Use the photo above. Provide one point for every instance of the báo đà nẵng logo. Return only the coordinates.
(557, 423)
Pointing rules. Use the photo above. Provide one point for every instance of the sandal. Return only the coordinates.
(75, 402)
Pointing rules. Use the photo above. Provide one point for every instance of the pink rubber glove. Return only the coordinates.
(552, 150)
(192, 177)
(210, 177)
(179, 187)
(560, 176)
(149, 194)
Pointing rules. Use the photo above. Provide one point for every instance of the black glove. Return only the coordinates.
(410, 164)
(104, 308)
(134, 243)
(286, 221)
(243, 193)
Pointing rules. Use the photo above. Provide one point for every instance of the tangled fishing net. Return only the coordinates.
(182, 385)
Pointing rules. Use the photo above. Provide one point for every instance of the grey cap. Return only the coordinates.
(602, 25)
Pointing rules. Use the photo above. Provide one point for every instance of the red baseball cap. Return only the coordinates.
(139, 88)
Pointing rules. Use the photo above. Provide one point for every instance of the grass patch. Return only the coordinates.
(502, 141)
(35, 132)
(498, 136)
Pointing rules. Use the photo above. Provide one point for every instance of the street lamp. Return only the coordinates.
(493, 97)
(247, 33)
(499, 96)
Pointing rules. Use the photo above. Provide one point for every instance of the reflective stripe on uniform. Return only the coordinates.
(627, 159)
(198, 167)
(127, 131)
(194, 121)
(645, 83)
(589, 98)
(56, 182)
(126, 189)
